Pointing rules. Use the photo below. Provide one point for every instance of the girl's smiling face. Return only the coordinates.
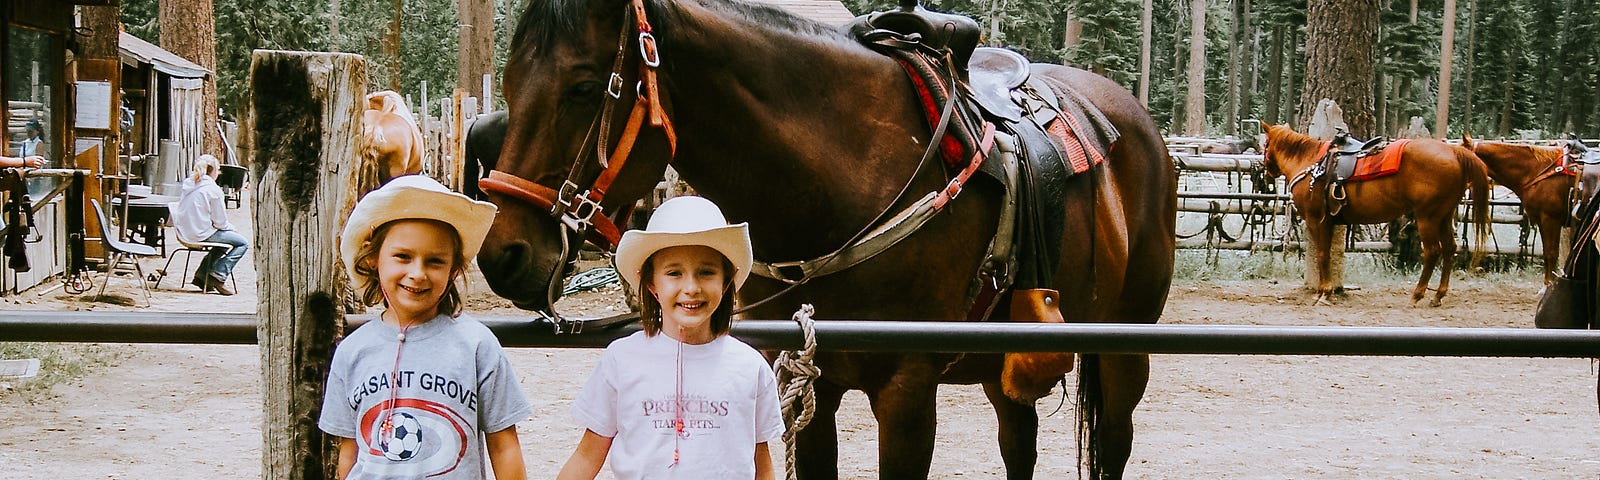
(688, 281)
(414, 267)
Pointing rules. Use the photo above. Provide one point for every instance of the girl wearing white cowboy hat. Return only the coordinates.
(681, 399)
(420, 393)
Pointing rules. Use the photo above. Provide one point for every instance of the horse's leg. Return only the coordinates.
(907, 421)
(1550, 239)
(1447, 258)
(1019, 432)
(817, 445)
(1122, 380)
(1321, 236)
(1428, 235)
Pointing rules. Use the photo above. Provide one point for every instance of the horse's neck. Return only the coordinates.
(769, 120)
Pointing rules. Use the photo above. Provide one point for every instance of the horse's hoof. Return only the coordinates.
(1435, 303)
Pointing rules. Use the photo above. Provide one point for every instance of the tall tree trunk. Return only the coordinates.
(1447, 50)
(1252, 76)
(188, 29)
(1507, 86)
(1194, 117)
(477, 48)
(1340, 46)
(1230, 108)
(1467, 70)
(1146, 28)
(1178, 93)
(1275, 73)
(391, 44)
(1296, 81)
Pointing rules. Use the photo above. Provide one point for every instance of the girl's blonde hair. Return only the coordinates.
(206, 165)
(650, 308)
(366, 266)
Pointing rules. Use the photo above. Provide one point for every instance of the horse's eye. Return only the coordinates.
(583, 91)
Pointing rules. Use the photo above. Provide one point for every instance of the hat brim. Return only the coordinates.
(733, 241)
(471, 218)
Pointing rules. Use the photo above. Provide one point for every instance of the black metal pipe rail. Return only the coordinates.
(893, 336)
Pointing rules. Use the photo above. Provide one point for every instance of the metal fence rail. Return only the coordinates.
(886, 336)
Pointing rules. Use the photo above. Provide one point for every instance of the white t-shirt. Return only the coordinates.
(730, 404)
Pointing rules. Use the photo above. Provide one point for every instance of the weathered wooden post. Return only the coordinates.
(304, 121)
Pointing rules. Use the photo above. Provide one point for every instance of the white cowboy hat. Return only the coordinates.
(414, 197)
(686, 220)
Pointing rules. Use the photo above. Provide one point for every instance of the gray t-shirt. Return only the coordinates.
(442, 407)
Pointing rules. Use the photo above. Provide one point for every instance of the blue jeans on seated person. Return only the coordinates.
(218, 263)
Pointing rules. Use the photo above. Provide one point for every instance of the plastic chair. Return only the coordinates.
(188, 251)
(231, 179)
(122, 252)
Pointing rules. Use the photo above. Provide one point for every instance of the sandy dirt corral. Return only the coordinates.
(194, 411)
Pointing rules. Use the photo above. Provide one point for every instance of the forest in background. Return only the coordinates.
(1519, 67)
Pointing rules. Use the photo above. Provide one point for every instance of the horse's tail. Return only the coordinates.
(1091, 406)
(1478, 181)
(372, 146)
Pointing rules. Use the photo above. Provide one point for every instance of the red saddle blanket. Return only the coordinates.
(1384, 163)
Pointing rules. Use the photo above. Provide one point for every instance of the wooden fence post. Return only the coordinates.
(1324, 124)
(304, 124)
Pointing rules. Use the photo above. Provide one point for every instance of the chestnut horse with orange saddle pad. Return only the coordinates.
(1542, 180)
(393, 140)
(1429, 184)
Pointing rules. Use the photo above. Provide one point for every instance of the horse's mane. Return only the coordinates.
(1290, 143)
(547, 23)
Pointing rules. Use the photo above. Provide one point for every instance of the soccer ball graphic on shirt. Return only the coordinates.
(404, 440)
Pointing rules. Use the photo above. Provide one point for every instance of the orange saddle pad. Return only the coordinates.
(1384, 163)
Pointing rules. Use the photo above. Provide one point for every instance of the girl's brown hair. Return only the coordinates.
(650, 308)
(367, 266)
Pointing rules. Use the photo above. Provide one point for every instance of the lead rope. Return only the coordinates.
(796, 374)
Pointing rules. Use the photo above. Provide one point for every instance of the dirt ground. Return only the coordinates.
(194, 411)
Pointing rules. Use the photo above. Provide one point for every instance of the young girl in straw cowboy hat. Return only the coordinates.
(420, 393)
(681, 399)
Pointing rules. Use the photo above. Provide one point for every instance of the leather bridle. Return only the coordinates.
(576, 207)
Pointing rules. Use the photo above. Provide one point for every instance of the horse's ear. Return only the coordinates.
(1466, 140)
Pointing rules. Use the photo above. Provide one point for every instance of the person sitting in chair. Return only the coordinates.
(201, 217)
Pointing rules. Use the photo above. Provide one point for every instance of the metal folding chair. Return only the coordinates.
(122, 252)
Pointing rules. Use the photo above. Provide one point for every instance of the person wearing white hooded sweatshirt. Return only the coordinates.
(201, 217)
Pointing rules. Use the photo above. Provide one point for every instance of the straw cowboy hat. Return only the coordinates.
(685, 220)
(414, 197)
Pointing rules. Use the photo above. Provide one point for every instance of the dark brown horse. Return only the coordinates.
(1541, 181)
(796, 128)
(1432, 177)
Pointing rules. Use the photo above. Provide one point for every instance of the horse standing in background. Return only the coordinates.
(393, 141)
(1542, 181)
(1429, 184)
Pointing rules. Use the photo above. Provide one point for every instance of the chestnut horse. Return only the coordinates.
(1541, 181)
(1432, 177)
(393, 141)
(794, 127)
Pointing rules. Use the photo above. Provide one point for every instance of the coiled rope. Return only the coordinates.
(590, 280)
(796, 374)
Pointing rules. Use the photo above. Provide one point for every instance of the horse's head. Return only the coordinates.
(1269, 155)
(569, 99)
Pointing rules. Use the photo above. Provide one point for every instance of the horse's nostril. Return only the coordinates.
(513, 256)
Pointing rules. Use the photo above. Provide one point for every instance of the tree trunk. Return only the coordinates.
(1194, 116)
(305, 116)
(1146, 27)
(1230, 119)
(1447, 50)
(1296, 80)
(1275, 76)
(1466, 81)
(391, 44)
(1252, 76)
(188, 29)
(1340, 46)
(477, 47)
